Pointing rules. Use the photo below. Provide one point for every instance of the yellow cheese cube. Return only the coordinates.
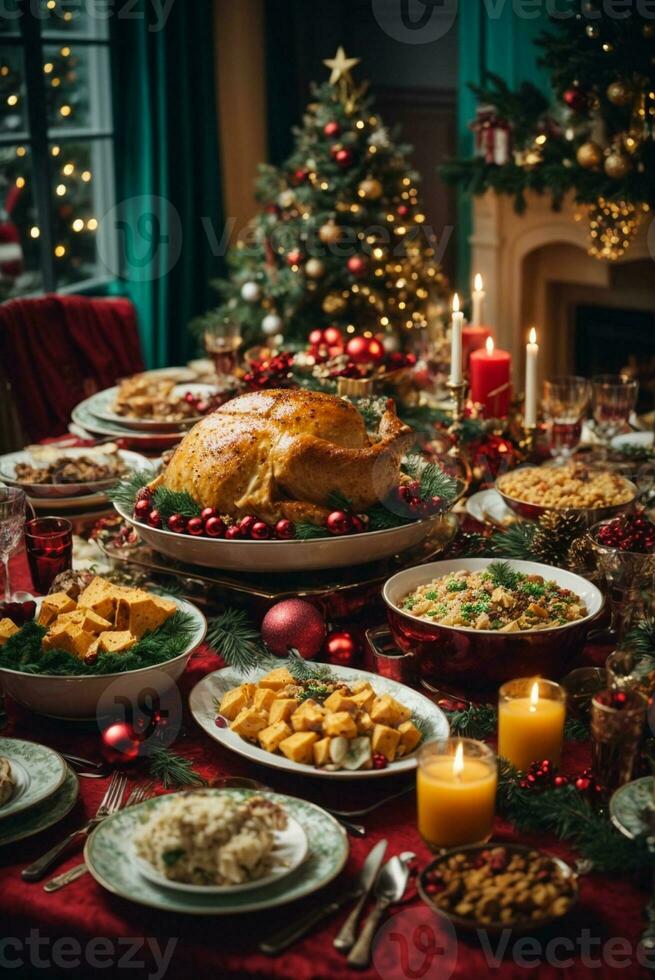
(91, 621)
(270, 737)
(364, 698)
(298, 747)
(249, 722)
(53, 605)
(385, 740)
(69, 637)
(338, 701)
(115, 641)
(361, 686)
(263, 698)
(7, 628)
(140, 614)
(321, 752)
(232, 702)
(308, 717)
(409, 738)
(387, 711)
(282, 709)
(340, 723)
(277, 679)
(364, 723)
(101, 596)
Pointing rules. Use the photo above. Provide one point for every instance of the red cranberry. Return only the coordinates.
(220, 721)
(214, 527)
(379, 761)
(195, 527)
(285, 529)
(414, 488)
(260, 531)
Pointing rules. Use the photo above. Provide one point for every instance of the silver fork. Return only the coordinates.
(110, 802)
(138, 795)
(373, 806)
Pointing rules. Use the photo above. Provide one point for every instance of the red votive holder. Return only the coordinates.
(49, 543)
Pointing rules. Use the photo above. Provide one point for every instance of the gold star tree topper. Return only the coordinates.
(341, 66)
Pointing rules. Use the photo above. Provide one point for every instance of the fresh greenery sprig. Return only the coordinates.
(170, 502)
(503, 575)
(641, 638)
(173, 771)
(481, 721)
(433, 481)
(238, 642)
(125, 491)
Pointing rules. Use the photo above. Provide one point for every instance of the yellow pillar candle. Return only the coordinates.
(531, 716)
(456, 792)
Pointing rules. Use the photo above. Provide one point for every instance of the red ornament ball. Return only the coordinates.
(294, 257)
(232, 532)
(120, 744)
(582, 783)
(142, 509)
(575, 99)
(376, 349)
(195, 527)
(357, 350)
(246, 525)
(177, 523)
(357, 265)
(207, 513)
(332, 337)
(332, 129)
(294, 624)
(260, 531)
(340, 648)
(338, 522)
(300, 175)
(316, 338)
(154, 518)
(343, 157)
(214, 527)
(402, 210)
(285, 529)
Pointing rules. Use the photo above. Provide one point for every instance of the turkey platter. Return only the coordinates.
(281, 453)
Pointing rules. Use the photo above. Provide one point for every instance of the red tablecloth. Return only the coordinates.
(598, 939)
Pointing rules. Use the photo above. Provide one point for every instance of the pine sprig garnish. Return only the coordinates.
(515, 542)
(174, 771)
(575, 730)
(125, 491)
(433, 481)
(170, 502)
(307, 531)
(338, 501)
(475, 721)
(234, 637)
(380, 518)
(502, 574)
(641, 638)
(304, 670)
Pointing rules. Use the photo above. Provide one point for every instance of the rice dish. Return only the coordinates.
(210, 839)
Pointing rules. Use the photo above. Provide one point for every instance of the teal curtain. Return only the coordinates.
(169, 209)
(493, 37)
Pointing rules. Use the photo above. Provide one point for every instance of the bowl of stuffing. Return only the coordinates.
(478, 622)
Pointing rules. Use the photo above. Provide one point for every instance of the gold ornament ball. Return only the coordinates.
(370, 189)
(619, 93)
(617, 165)
(314, 268)
(592, 31)
(334, 303)
(329, 233)
(589, 155)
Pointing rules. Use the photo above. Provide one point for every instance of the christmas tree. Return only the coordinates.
(341, 240)
(597, 140)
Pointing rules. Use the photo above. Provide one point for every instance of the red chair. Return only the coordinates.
(57, 350)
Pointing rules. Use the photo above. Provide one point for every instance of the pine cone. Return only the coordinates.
(554, 536)
(581, 557)
(566, 525)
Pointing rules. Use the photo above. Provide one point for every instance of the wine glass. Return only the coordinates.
(565, 402)
(12, 519)
(222, 342)
(614, 398)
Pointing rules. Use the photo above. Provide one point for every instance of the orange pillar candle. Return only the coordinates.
(489, 370)
(531, 713)
(456, 792)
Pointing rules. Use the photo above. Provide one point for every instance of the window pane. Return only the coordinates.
(10, 17)
(76, 17)
(77, 88)
(82, 188)
(13, 104)
(19, 229)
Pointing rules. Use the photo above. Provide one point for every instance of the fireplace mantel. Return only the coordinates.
(536, 266)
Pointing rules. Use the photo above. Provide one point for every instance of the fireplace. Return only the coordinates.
(592, 316)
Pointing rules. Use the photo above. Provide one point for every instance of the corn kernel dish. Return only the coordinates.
(330, 724)
(495, 598)
(565, 487)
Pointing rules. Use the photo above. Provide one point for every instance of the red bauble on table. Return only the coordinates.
(343, 157)
(316, 338)
(357, 265)
(294, 624)
(214, 527)
(338, 522)
(376, 349)
(120, 744)
(285, 529)
(340, 648)
(332, 337)
(358, 349)
(332, 129)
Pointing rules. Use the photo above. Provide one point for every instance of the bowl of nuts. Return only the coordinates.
(496, 887)
(595, 495)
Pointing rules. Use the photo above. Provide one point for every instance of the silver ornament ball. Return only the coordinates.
(271, 324)
(250, 292)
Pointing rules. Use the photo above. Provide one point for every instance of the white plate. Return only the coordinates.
(488, 504)
(101, 405)
(38, 772)
(87, 421)
(290, 850)
(212, 688)
(67, 491)
(282, 556)
(76, 697)
(640, 440)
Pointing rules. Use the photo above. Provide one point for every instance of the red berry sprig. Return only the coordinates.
(407, 497)
(628, 533)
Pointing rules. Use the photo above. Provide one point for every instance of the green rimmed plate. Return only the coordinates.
(109, 858)
(37, 770)
(629, 804)
(45, 815)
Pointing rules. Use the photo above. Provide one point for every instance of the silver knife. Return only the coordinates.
(361, 886)
(345, 938)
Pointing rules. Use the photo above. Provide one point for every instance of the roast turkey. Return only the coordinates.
(281, 453)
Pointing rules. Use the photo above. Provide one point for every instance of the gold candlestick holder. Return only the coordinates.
(457, 391)
(529, 440)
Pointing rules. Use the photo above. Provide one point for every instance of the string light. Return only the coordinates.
(55, 150)
(68, 169)
(20, 182)
(92, 224)
(48, 67)
(61, 189)
(4, 71)
(12, 100)
(65, 111)
(65, 52)
(60, 251)
(78, 225)
(34, 232)
(21, 151)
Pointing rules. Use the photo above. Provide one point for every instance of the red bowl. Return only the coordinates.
(484, 659)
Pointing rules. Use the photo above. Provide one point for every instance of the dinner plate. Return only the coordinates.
(634, 440)
(101, 405)
(158, 441)
(629, 807)
(207, 694)
(66, 491)
(109, 858)
(43, 815)
(487, 506)
(290, 850)
(38, 771)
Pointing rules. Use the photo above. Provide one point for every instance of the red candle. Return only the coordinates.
(473, 338)
(490, 386)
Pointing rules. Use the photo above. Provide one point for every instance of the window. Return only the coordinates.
(56, 174)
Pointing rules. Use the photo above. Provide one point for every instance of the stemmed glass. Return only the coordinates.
(614, 398)
(565, 402)
(12, 519)
(222, 342)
